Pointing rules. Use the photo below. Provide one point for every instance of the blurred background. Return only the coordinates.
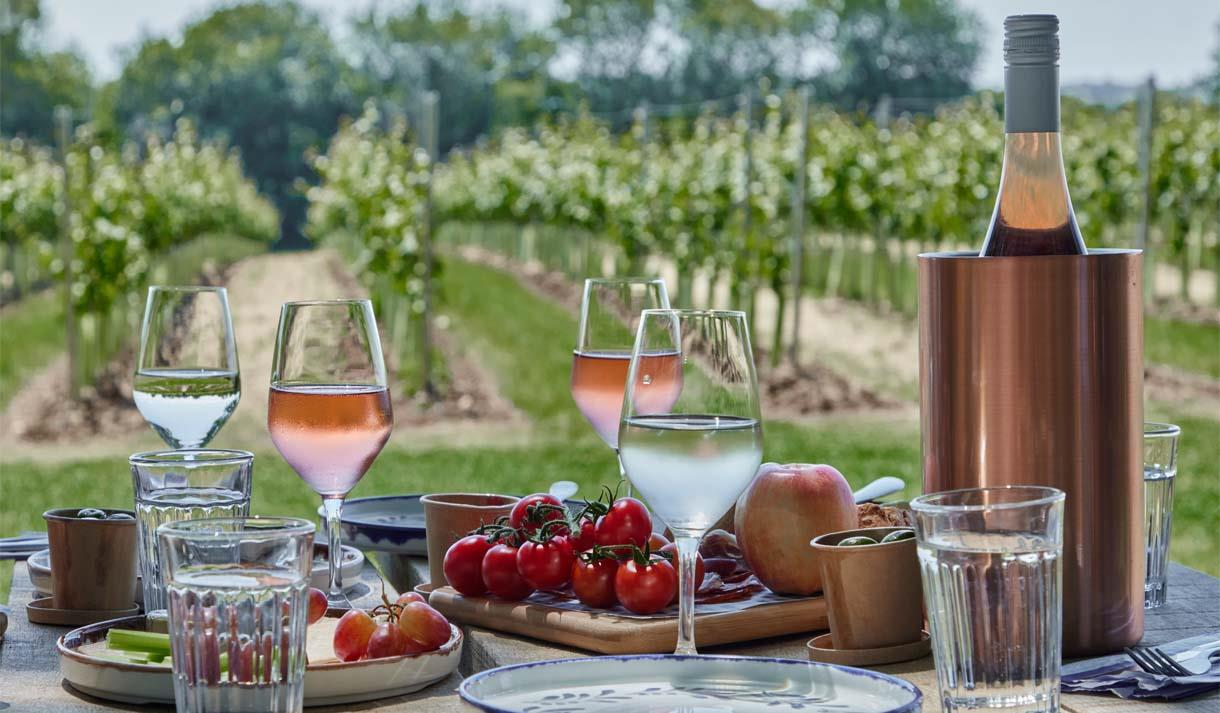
(466, 164)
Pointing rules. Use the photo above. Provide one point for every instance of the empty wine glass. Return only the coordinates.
(694, 457)
(329, 410)
(187, 381)
(609, 317)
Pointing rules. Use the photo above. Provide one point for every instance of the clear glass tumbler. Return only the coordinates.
(1160, 470)
(184, 485)
(237, 612)
(992, 574)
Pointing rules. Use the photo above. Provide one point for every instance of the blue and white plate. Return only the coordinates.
(384, 523)
(702, 684)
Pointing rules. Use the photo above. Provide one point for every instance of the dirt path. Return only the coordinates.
(475, 413)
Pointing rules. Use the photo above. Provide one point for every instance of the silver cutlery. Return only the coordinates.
(1155, 661)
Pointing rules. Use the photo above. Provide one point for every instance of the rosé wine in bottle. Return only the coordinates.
(329, 434)
(599, 378)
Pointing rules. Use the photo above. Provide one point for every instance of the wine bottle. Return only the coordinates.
(1033, 212)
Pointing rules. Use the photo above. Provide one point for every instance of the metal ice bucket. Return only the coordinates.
(1031, 372)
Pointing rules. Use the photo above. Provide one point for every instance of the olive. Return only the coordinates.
(91, 514)
(857, 541)
(898, 535)
(119, 516)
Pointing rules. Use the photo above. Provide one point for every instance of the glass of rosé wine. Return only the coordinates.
(609, 318)
(329, 410)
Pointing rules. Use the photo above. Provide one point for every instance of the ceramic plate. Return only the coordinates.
(353, 562)
(326, 682)
(395, 523)
(707, 684)
(384, 523)
(39, 565)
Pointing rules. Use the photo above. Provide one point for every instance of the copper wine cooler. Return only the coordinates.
(1031, 372)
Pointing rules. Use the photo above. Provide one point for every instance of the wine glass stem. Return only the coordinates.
(334, 508)
(688, 552)
(622, 472)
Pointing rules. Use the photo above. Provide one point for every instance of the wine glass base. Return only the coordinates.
(339, 601)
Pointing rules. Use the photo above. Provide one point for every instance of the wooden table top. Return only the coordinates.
(30, 679)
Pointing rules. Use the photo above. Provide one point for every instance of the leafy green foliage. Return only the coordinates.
(34, 82)
(265, 76)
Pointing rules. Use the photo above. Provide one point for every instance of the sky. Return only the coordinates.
(1101, 40)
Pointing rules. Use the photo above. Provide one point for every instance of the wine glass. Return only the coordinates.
(187, 380)
(329, 410)
(609, 317)
(692, 459)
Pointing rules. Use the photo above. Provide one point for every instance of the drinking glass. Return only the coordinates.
(609, 317)
(237, 612)
(187, 381)
(1160, 471)
(691, 433)
(183, 485)
(992, 575)
(329, 410)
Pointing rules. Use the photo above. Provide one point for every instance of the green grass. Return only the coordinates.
(525, 341)
(1189, 346)
(31, 334)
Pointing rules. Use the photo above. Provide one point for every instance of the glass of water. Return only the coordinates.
(991, 569)
(1160, 470)
(187, 384)
(237, 612)
(183, 485)
(691, 433)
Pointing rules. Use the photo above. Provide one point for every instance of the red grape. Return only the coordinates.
(387, 640)
(352, 634)
(317, 605)
(424, 625)
(407, 597)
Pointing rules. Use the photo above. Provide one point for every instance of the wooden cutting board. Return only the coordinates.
(608, 633)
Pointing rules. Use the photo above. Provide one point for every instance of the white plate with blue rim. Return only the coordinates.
(692, 684)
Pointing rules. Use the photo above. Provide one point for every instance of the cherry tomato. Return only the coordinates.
(585, 537)
(463, 565)
(593, 582)
(627, 522)
(520, 517)
(672, 548)
(645, 589)
(656, 541)
(546, 565)
(501, 576)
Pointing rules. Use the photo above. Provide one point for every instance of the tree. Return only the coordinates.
(33, 81)
(265, 76)
(923, 49)
(484, 65)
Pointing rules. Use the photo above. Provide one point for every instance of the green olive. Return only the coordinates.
(857, 541)
(898, 535)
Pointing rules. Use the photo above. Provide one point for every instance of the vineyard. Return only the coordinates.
(718, 196)
(131, 217)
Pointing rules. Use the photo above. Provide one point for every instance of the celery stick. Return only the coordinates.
(128, 640)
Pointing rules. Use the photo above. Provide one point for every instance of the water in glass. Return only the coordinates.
(993, 605)
(169, 504)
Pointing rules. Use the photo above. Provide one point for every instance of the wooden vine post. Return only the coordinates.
(431, 101)
(797, 268)
(63, 121)
(1147, 115)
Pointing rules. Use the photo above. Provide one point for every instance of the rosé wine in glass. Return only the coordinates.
(329, 434)
(329, 410)
(599, 378)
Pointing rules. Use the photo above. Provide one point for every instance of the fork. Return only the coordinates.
(1156, 661)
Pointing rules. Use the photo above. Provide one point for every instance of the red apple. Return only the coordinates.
(784, 508)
